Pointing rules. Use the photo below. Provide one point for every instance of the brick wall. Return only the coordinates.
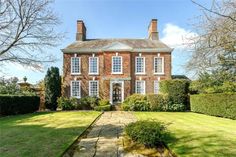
(105, 61)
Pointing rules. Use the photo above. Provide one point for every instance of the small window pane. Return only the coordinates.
(140, 87)
(75, 91)
(75, 65)
(140, 65)
(116, 64)
(93, 88)
(158, 65)
(93, 65)
(156, 87)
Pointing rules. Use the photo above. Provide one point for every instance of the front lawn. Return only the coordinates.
(197, 134)
(42, 134)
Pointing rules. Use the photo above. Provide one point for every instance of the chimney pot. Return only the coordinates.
(152, 30)
(81, 31)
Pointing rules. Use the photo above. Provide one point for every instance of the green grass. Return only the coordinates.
(197, 134)
(42, 134)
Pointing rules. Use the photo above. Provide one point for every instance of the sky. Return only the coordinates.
(120, 19)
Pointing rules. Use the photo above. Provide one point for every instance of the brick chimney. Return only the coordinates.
(81, 31)
(152, 30)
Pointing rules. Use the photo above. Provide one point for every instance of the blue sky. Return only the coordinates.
(121, 19)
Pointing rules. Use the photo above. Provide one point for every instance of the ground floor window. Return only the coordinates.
(140, 87)
(75, 89)
(156, 87)
(93, 88)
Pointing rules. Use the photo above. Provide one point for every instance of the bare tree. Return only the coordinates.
(27, 29)
(215, 44)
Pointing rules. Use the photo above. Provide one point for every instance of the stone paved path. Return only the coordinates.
(102, 140)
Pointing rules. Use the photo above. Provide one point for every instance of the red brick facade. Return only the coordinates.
(105, 76)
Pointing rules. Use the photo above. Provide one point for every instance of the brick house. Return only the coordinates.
(115, 68)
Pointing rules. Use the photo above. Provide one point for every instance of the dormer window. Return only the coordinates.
(117, 65)
(75, 65)
(93, 66)
(158, 65)
(140, 65)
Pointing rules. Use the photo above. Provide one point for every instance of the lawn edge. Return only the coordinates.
(81, 135)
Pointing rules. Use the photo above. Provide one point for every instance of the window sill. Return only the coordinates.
(93, 73)
(140, 73)
(116, 73)
(78, 97)
(75, 73)
(159, 73)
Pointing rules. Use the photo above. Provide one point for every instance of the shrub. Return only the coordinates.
(130, 103)
(87, 103)
(67, 103)
(103, 108)
(220, 104)
(103, 102)
(52, 82)
(149, 133)
(141, 105)
(176, 107)
(11, 104)
(177, 91)
(158, 102)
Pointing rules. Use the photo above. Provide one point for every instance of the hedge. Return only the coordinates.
(10, 104)
(220, 104)
(177, 91)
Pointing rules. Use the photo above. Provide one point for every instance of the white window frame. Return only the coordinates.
(97, 88)
(71, 89)
(144, 66)
(162, 68)
(155, 91)
(73, 73)
(121, 68)
(144, 84)
(92, 73)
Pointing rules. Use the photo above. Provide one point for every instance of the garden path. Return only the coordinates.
(104, 137)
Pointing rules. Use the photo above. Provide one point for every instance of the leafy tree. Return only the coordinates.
(9, 86)
(52, 82)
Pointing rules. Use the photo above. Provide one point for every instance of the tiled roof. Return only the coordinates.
(98, 45)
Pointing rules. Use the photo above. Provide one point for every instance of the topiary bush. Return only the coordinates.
(149, 133)
(218, 104)
(103, 102)
(177, 91)
(11, 104)
(129, 103)
(67, 103)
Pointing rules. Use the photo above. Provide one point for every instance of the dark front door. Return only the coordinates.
(116, 93)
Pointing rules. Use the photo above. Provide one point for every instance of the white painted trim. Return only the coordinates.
(97, 73)
(121, 65)
(162, 68)
(79, 89)
(97, 87)
(144, 66)
(79, 73)
(122, 90)
(143, 87)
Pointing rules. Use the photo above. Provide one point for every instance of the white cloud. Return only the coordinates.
(175, 36)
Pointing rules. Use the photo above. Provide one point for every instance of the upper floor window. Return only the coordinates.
(156, 87)
(140, 87)
(116, 65)
(140, 65)
(93, 88)
(158, 65)
(75, 65)
(75, 89)
(93, 65)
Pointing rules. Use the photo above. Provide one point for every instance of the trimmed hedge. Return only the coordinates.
(220, 104)
(177, 91)
(10, 104)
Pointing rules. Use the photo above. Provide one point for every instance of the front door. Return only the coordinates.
(116, 93)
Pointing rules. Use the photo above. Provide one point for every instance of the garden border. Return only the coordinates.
(81, 135)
